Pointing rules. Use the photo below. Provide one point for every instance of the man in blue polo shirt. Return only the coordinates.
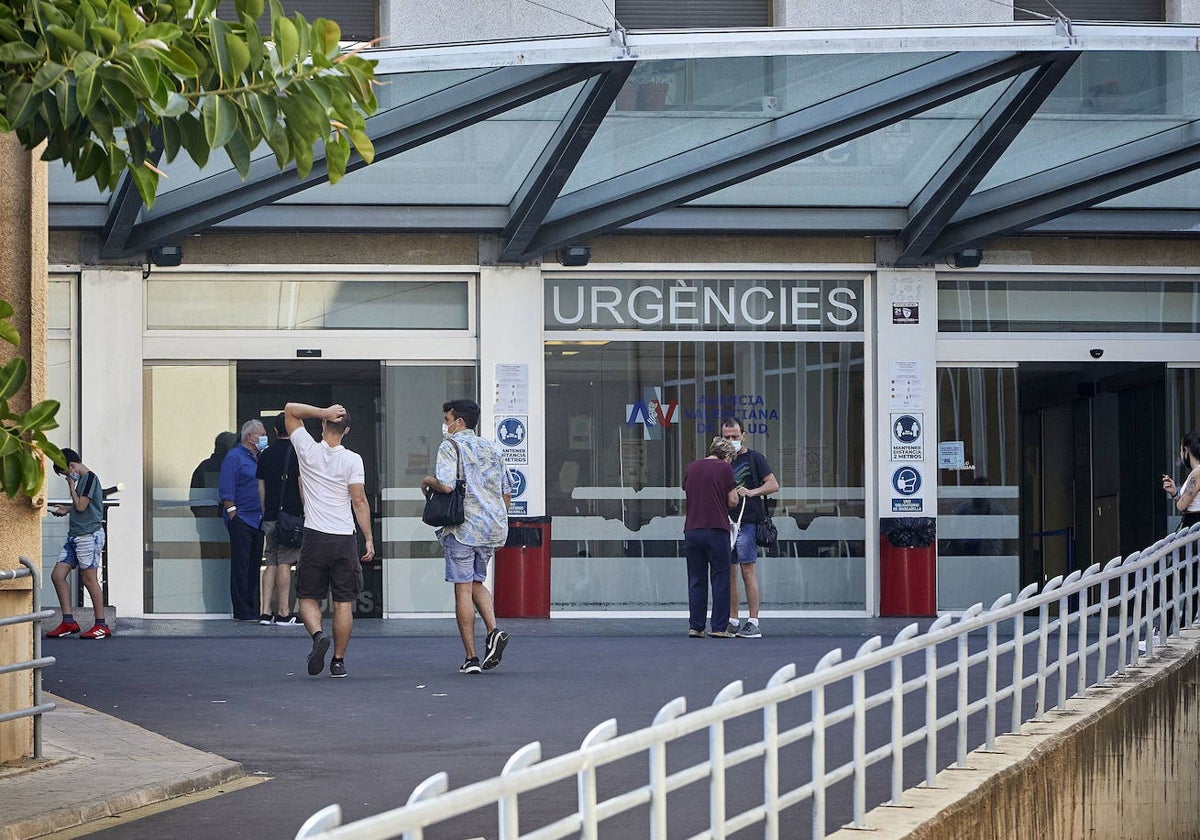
(242, 509)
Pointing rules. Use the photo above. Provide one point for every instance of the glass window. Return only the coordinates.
(979, 486)
(187, 407)
(624, 418)
(288, 302)
(414, 571)
(1165, 305)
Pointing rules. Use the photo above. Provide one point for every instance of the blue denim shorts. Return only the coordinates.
(744, 550)
(466, 563)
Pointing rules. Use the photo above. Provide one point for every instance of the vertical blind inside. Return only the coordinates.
(355, 17)
(692, 14)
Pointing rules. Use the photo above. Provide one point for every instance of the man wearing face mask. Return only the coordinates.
(754, 481)
(83, 549)
(242, 509)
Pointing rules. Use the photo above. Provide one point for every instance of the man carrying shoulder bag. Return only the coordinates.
(755, 481)
(283, 507)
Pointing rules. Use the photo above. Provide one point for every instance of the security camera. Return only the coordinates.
(1096, 352)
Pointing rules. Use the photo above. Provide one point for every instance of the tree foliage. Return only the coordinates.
(108, 84)
(22, 436)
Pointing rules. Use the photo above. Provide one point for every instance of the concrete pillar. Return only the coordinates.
(1182, 11)
(23, 268)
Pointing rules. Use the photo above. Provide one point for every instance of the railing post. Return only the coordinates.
(771, 755)
(818, 745)
(435, 785)
(1064, 632)
(1128, 619)
(36, 604)
(716, 763)
(586, 780)
(1108, 573)
(989, 740)
(1043, 648)
(898, 717)
(509, 807)
(962, 695)
(1018, 696)
(931, 692)
(658, 771)
(1081, 682)
(859, 691)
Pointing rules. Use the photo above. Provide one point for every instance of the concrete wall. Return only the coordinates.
(831, 13)
(23, 227)
(1183, 11)
(412, 22)
(1119, 763)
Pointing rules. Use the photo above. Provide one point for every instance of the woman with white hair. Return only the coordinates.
(710, 491)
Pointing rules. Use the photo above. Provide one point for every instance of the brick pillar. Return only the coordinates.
(23, 269)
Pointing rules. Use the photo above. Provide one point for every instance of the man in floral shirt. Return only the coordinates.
(469, 547)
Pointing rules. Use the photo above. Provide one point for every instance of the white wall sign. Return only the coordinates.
(952, 455)
(512, 389)
(906, 385)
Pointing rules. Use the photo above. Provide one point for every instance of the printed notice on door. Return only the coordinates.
(512, 389)
(906, 386)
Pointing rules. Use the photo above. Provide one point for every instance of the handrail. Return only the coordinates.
(35, 664)
(1148, 595)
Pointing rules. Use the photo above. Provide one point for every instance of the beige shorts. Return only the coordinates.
(275, 554)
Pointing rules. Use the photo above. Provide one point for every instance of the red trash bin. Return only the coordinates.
(908, 573)
(523, 570)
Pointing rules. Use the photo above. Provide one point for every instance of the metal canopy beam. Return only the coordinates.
(1083, 183)
(961, 173)
(126, 203)
(224, 195)
(558, 160)
(765, 147)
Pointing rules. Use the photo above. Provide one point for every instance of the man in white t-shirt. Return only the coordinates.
(331, 478)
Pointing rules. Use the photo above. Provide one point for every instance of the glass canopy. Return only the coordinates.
(958, 135)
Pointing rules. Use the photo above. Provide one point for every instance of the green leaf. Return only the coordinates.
(102, 122)
(68, 37)
(238, 151)
(239, 54)
(50, 450)
(171, 138)
(120, 95)
(191, 134)
(162, 31)
(21, 103)
(33, 473)
(6, 309)
(254, 41)
(41, 416)
(176, 105)
(362, 144)
(86, 81)
(89, 162)
(337, 152)
(18, 52)
(179, 62)
(12, 473)
(8, 443)
(12, 377)
(252, 9)
(287, 41)
(9, 333)
(64, 96)
(325, 37)
(146, 181)
(219, 49)
(47, 76)
(107, 35)
(220, 120)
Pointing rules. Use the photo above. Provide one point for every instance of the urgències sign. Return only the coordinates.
(782, 304)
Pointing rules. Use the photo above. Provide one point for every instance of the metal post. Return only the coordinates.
(898, 717)
(658, 771)
(771, 755)
(963, 698)
(859, 691)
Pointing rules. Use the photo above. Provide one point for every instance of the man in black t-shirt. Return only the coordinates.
(278, 487)
(755, 481)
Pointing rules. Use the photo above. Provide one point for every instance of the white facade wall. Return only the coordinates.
(834, 14)
(1183, 11)
(413, 22)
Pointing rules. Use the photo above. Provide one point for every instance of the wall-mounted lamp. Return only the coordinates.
(967, 258)
(164, 256)
(574, 255)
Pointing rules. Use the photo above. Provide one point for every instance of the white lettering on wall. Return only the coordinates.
(657, 305)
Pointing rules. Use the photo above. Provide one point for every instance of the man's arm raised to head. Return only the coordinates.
(294, 415)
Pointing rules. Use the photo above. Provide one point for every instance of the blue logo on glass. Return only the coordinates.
(906, 481)
(518, 482)
(511, 432)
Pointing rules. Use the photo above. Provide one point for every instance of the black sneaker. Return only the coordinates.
(471, 666)
(266, 619)
(337, 668)
(291, 620)
(316, 657)
(497, 640)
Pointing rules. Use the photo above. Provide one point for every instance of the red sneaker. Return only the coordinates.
(65, 628)
(99, 631)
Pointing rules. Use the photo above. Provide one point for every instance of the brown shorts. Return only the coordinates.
(276, 554)
(329, 564)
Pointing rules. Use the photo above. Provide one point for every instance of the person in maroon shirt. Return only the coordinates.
(711, 492)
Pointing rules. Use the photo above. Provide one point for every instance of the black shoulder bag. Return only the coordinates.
(766, 535)
(289, 528)
(442, 509)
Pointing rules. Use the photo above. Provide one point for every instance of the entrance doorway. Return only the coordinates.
(264, 387)
(1092, 444)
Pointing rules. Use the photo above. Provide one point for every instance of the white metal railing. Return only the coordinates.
(1116, 615)
(37, 662)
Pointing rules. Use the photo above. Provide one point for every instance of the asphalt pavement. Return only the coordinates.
(166, 707)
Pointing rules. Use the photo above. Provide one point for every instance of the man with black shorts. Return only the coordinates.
(332, 479)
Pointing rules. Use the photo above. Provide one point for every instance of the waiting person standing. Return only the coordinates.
(242, 509)
(83, 549)
(754, 481)
(710, 491)
(278, 489)
(469, 547)
(1187, 497)
(333, 481)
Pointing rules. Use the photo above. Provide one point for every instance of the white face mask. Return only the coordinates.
(737, 445)
(445, 430)
(261, 443)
